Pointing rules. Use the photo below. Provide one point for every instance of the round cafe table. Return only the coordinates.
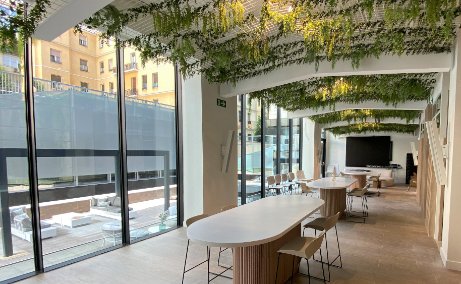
(359, 175)
(333, 192)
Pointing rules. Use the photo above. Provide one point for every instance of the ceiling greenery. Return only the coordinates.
(228, 40)
(361, 115)
(367, 127)
(326, 92)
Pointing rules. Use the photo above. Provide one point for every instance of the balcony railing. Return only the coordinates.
(133, 66)
(12, 83)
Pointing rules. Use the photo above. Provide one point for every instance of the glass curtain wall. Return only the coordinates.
(295, 145)
(16, 237)
(284, 145)
(151, 145)
(77, 146)
(264, 130)
(79, 161)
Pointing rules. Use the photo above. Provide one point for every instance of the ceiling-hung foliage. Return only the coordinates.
(14, 27)
(367, 127)
(229, 40)
(362, 115)
(325, 92)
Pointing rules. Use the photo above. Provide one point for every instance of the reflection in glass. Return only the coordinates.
(296, 145)
(270, 138)
(284, 142)
(151, 140)
(16, 250)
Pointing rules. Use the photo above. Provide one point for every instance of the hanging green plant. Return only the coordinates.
(361, 115)
(325, 92)
(373, 127)
(14, 27)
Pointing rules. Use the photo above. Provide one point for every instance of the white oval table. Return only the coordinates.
(256, 231)
(333, 192)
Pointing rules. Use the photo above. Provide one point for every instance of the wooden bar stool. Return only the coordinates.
(303, 247)
(325, 224)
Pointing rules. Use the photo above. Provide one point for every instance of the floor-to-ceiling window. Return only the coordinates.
(151, 145)
(295, 144)
(16, 236)
(270, 139)
(253, 149)
(284, 141)
(77, 146)
(81, 194)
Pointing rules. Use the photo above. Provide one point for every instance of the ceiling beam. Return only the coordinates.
(417, 105)
(386, 64)
(383, 121)
(61, 18)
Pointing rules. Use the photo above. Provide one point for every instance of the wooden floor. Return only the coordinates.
(392, 247)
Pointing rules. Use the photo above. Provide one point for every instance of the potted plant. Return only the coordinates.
(163, 216)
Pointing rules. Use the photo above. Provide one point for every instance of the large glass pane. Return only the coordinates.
(270, 140)
(77, 144)
(151, 145)
(253, 150)
(295, 155)
(284, 142)
(239, 149)
(16, 250)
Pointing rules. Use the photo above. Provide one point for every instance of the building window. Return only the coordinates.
(101, 43)
(11, 61)
(144, 82)
(83, 40)
(55, 56)
(110, 64)
(84, 65)
(84, 86)
(55, 78)
(111, 87)
(101, 67)
(102, 88)
(155, 80)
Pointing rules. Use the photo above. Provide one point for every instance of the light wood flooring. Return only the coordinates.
(392, 247)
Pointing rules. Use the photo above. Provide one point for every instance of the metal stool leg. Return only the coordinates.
(293, 270)
(339, 250)
(185, 261)
(308, 270)
(323, 270)
(208, 263)
(277, 271)
(328, 257)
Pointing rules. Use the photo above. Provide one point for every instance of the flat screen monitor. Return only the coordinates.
(368, 151)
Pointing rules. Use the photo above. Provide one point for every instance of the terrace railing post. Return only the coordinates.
(166, 180)
(7, 241)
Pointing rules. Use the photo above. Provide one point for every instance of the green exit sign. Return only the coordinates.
(221, 103)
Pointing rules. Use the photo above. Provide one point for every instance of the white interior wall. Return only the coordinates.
(206, 126)
(336, 152)
(308, 148)
(192, 146)
(451, 231)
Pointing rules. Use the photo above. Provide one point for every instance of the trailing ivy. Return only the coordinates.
(226, 41)
(325, 92)
(373, 127)
(361, 115)
(14, 27)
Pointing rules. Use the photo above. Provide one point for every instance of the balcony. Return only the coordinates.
(131, 93)
(133, 66)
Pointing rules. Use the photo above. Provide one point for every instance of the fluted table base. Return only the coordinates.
(258, 264)
(335, 201)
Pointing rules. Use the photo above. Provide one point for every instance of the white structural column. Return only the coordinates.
(451, 232)
(311, 148)
(206, 125)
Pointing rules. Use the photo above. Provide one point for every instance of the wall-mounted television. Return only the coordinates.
(368, 151)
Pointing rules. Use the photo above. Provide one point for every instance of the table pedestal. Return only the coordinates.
(335, 201)
(258, 264)
(361, 180)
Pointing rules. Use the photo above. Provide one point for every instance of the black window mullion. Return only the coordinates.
(278, 140)
(263, 151)
(32, 154)
(243, 166)
(121, 161)
(290, 145)
(179, 147)
(300, 143)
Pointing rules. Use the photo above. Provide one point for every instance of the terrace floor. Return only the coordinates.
(392, 247)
